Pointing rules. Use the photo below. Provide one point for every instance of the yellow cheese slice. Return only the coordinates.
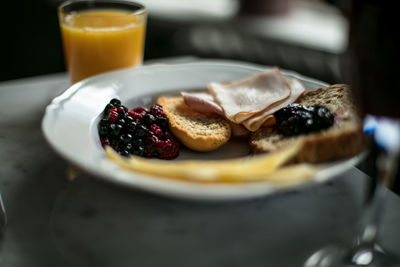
(255, 168)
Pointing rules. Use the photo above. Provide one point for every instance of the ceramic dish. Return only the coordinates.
(70, 125)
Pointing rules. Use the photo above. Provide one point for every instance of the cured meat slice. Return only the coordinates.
(202, 102)
(266, 118)
(245, 98)
(248, 104)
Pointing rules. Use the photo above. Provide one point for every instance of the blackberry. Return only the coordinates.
(124, 152)
(115, 102)
(149, 119)
(162, 122)
(141, 131)
(130, 127)
(296, 119)
(136, 142)
(103, 131)
(121, 122)
(128, 118)
(107, 108)
(116, 129)
(139, 151)
(138, 131)
(128, 146)
(285, 113)
(114, 142)
(125, 138)
(103, 122)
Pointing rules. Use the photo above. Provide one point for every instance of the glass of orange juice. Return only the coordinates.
(101, 35)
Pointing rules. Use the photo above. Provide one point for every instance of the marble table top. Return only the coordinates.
(87, 222)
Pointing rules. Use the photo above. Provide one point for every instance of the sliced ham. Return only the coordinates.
(266, 118)
(237, 130)
(202, 102)
(248, 104)
(245, 98)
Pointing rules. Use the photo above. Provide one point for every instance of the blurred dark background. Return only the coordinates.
(307, 36)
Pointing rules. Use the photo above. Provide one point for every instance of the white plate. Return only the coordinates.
(70, 125)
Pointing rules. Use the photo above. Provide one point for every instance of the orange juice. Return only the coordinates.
(101, 40)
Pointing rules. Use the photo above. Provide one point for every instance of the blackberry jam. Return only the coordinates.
(296, 119)
(139, 131)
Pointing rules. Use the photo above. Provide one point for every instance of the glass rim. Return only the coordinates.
(99, 4)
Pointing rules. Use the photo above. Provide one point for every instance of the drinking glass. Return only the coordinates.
(370, 66)
(101, 35)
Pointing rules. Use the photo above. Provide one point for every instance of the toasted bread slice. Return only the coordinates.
(195, 130)
(343, 139)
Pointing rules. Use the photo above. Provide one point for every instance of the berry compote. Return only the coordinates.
(296, 119)
(138, 131)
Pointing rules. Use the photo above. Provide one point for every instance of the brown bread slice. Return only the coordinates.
(343, 139)
(195, 130)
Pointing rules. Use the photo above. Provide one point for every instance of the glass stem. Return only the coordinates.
(383, 160)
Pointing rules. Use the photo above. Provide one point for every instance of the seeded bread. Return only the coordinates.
(195, 130)
(343, 139)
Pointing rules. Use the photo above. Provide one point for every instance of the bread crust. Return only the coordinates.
(343, 139)
(196, 131)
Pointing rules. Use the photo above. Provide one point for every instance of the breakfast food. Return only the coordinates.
(242, 99)
(249, 103)
(139, 131)
(202, 102)
(325, 125)
(267, 167)
(266, 117)
(196, 131)
(290, 127)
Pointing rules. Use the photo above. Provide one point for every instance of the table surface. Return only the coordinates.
(88, 222)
